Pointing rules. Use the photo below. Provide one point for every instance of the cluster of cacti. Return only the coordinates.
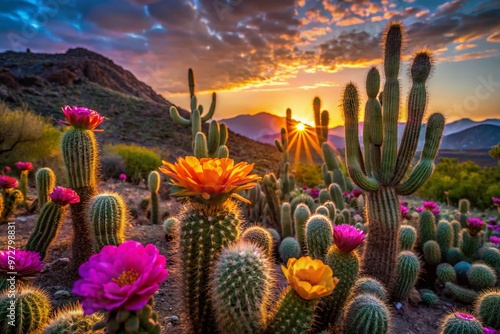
(382, 168)
(463, 209)
(45, 182)
(321, 120)
(107, 214)
(71, 319)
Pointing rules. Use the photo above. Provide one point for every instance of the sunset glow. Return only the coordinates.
(301, 127)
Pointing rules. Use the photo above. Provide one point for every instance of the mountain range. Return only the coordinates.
(463, 134)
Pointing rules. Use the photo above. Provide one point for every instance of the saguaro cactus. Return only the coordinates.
(381, 169)
(321, 120)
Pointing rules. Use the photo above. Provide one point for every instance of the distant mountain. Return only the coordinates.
(482, 136)
(466, 123)
(257, 127)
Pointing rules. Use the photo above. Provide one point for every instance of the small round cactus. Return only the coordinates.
(107, 213)
(487, 308)
(260, 237)
(319, 236)
(454, 255)
(481, 276)
(301, 215)
(432, 253)
(461, 268)
(428, 297)
(289, 248)
(322, 210)
(446, 273)
(461, 323)
(171, 228)
(366, 314)
(369, 285)
(407, 237)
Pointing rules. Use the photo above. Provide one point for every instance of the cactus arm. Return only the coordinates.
(367, 142)
(195, 122)
(194, 103)
(174, 113)
(350, 107)
(391, 101)
(330, 158)
(425, 166)
(191, 82)
(213, 138)
(200, 146)
(325, 119)
(223, 133)
(211, 111)
(278, 145)
(417, 102)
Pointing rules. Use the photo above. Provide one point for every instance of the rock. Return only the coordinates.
(62, 294)
(173, 319)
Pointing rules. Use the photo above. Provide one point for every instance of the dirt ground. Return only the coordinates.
(408, 319)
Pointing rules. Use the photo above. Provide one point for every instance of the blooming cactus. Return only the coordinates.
(82, 118)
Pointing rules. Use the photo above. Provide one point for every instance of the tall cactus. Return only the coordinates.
(107, 213)
(321, 120)
(381, 174)
(154, 186)
(45, 182)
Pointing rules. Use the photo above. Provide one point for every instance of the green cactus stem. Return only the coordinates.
(286, 220)
(289, 248)
(487, 308)
(366, 314)
(301, 216)
(10, 200)
(260, 237)
(45, 182)
(408, 269)
(154, 187)
(461, 294)
(108, 213)
(319, 236)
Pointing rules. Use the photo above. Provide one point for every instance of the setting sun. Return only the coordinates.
(301, 127)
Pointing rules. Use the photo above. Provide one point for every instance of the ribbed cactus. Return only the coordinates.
(171, 228)
(446, 273)
(289, 124)
(260, 237)
(457, 228)
(461, 294)
(321, 120)
(369, 285)
(454, 255)
(27, 312)
(71, 319)
(204, 231)
(491, 256)
(382, 174)
(345, 265)
(80, 155)
(445, 234)
(487, 308)
(145, 320)
(47, 226)
(241, 289)
(322, 210)
(336, 196)
(319, 236)
(289, 248)
(292, 314)
(324, 196)
(463, 208)
(366, 314)
(408, 269)
(301, 216)
(332, 210)
(428, 297)
(481, 276)
(154, 187)
(282, 145)
(286, 220)
(347, 216)
(432, 253)
(270, 189)
(45, 182)
(460, 323)
(426, 227)
(304, 199)
(196, 119)
(107, 214)
(470, 243)
(10, 200)
(407, 237)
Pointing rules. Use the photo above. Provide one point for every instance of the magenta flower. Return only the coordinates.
(404, 210)
(488, 330)
(82, 118)
(431, 206)
(64, 196)
(347, 238)
(27, 263)
(7, 169)
(7, 182)
(492, 220)
(495, 228)
(314, 193)
(465, 316)
(24, 166)
(495, 240)
(120, 277)
(475, 223)
(123, 177)
(496, 200)
(304, 187)
(356, 192)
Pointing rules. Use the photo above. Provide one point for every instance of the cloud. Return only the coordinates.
(465, 46)
(474, 55)
(494, 38)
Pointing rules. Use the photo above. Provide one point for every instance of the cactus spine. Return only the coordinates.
(319, 236)
(47, 226)
(154, 186)
(45, 182)
(446, 273)
(286, 220)
(72, 320)
(260, 237)
(301, 216)
(382, 175)
(407, 237)
(408, 269)
(108, 213)
(80, 155)
(364, 285)
(481, 276)
(204, 231)
(366, 314)
(31, 308)
(241, 289)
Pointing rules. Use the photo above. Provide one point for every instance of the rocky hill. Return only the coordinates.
(135, 112)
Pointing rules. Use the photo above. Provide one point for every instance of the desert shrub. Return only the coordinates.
(139, 160)
(8, 80)
(307, 174)
(25, 136)
(463, 180)
(112, 166)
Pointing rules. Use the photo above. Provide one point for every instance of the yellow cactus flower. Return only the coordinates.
(311, 279)
(209, 180)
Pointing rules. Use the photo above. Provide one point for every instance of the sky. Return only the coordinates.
(262, 55)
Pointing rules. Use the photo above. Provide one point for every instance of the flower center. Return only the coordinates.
(126, 278)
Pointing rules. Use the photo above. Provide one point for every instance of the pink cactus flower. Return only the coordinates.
(314, 192)
(120, 277)
(496, 200)
(24, 166)
(27, 263)
(431, 206)
(123, 177)
(7, 169)
(465, 316)
(8, 182)
(495, 228)
(64, 196)
(347, 238)
(492, 220)
(404, 210)
(475, 223)
(82, 118)
(495, 240)
(304, 187)
(356, 193)
(488, 330)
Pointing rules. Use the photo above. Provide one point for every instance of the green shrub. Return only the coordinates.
(307, 174)
(139, 160)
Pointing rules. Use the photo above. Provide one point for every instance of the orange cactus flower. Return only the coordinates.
(311, 279)
(209, 180)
